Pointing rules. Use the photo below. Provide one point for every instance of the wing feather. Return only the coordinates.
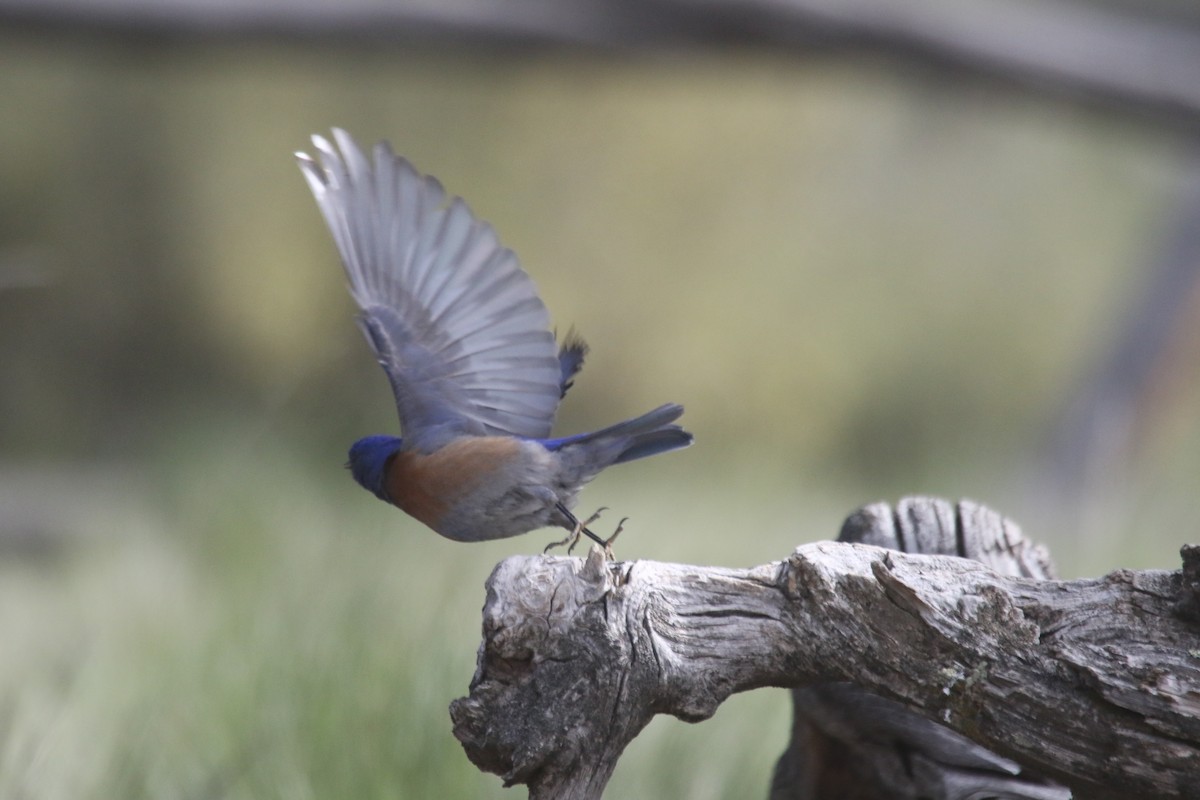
(453, 319)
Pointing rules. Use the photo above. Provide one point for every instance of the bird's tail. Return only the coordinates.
(647, 435)
(650, 434)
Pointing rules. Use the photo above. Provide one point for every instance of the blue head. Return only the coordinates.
(368, 462)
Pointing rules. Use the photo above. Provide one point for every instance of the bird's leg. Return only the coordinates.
(583, 528)
(579, 528)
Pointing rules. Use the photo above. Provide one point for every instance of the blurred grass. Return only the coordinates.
(862, 281)
(247, 628)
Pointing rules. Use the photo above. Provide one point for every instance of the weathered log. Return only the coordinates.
(1093, 683)
(849, 743)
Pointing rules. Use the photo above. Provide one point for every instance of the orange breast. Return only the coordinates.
(428, 486)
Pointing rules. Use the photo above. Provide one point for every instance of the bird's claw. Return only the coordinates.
(581, 528)
(608, 553)
(569, 540)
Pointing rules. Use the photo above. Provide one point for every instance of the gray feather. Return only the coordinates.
(453, 319)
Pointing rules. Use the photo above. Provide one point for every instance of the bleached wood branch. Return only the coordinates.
(1092, 683)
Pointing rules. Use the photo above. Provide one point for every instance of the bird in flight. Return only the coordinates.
(465, 341)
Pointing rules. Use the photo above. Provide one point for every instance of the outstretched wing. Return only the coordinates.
(454, 320)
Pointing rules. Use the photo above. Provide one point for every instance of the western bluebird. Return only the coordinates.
(459, 329)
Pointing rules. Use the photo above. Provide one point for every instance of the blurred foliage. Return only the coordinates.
(862, 281)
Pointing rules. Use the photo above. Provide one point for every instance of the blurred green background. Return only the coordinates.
(863, 280)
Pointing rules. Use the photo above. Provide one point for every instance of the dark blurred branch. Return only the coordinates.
(1147, 365)
(1123, 59)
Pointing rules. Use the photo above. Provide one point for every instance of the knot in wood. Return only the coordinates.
(542, 689)
(533, 602)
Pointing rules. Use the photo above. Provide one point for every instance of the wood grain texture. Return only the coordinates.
(1093, 683)
(849, 743)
